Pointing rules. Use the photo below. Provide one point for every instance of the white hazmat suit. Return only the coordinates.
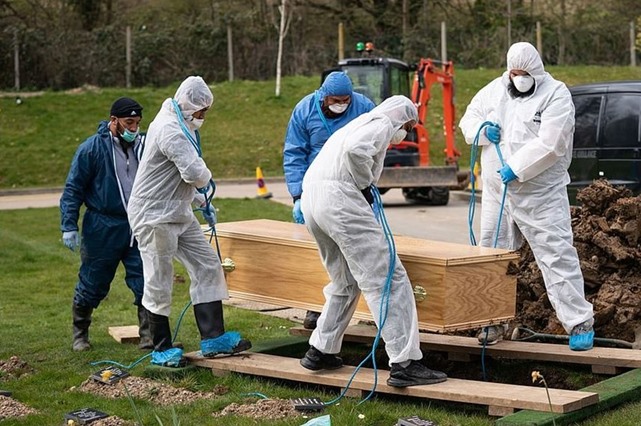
(351, 243)
(536, 143)
(160, 211)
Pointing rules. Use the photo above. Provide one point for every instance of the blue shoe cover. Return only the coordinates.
(170, 358)
(582, 341)
(223, 344)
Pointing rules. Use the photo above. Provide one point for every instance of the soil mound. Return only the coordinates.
(607, 236)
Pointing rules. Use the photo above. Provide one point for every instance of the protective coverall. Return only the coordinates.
(162, 219)
(536, 143)
(160, 209)
(308, 130)
(107, 238)
(351, 243)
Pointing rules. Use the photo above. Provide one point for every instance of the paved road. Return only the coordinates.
(439, 223)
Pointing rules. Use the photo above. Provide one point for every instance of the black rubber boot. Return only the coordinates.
(413, 375)
(160, 332)
(81, 322)
(209, 319)
(211, 325)
(316, 360)
(311, 318)
(144, 332)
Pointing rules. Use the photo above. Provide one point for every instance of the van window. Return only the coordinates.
(587, 109)
(621, 121)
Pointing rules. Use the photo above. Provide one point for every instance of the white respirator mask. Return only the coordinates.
(523, 83)
(195, 123)
(338, 108)
(398, 136)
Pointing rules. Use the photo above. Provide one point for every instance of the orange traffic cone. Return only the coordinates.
(262, 191)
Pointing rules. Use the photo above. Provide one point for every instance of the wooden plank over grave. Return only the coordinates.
(499, 397)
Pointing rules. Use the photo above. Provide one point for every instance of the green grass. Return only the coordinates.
(244, 129)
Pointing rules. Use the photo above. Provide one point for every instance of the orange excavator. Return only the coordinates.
(408, 165)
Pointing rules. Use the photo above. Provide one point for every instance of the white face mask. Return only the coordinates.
(195, 123)
(523, 83)
(338, 108)
(398, 137)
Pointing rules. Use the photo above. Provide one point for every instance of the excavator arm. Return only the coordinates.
(428, 73)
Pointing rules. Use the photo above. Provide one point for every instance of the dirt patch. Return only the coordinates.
(607, 236)
(148, 389)
(10, 408)
(14, 368)
(264, 409)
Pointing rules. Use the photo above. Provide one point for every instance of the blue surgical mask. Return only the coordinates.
(126, 135)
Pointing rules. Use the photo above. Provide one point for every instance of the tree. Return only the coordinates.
(285, 20)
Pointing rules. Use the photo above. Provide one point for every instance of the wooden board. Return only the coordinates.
(614, 357)
(466, 391)
(278, 263)
(125, 334)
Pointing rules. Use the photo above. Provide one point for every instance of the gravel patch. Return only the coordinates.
(148, 389)
(268, 409)
(10, 408)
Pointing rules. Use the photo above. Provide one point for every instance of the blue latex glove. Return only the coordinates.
(507, 174)
(209, 213)
(204, 189)
(71, 239)
(493, 133)
(297, 213)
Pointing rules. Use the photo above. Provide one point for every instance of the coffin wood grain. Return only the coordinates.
(278, 262)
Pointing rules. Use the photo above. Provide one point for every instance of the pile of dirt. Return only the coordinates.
(13, 368)
(10, 408)
(607, 236)
(151, 390)
(264, 409)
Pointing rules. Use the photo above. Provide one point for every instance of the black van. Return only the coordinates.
(607, 135)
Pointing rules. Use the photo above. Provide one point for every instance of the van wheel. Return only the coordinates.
(429, 195)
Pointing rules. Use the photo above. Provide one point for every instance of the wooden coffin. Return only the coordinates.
(456, 286)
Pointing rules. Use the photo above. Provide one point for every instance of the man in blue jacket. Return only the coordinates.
(314, 119)
(101, 177)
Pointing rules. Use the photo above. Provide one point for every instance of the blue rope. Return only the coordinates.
(384, 307)
(181, 121)
(472, 204)
(487, 332)
(258, 394)
(471, 210)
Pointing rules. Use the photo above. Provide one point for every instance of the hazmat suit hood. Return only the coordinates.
(524, 56)
(337, 83)
(398, 109)
(192, 95)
